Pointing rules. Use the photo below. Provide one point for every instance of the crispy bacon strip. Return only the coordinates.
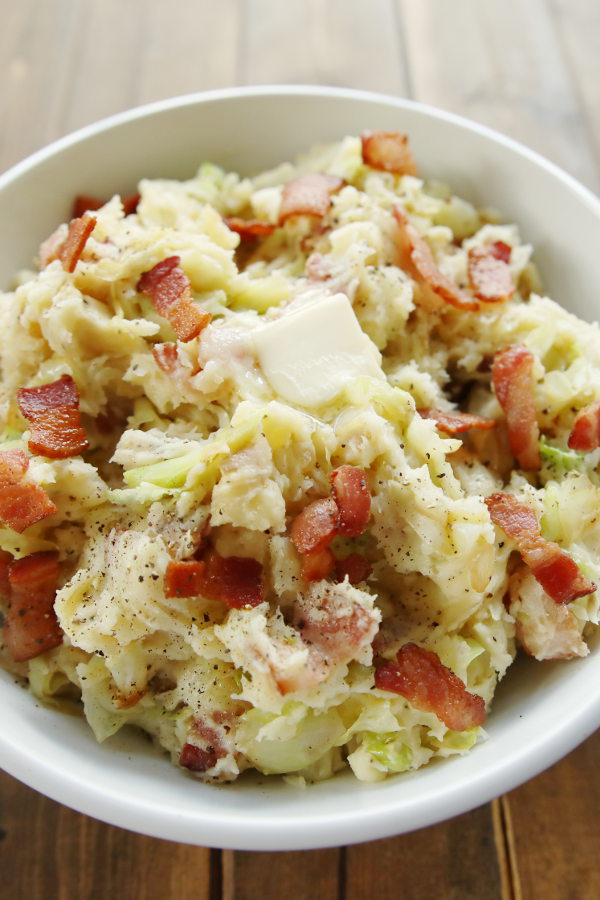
(166, 357)
(315, 527)
(421, 677)
(52, 411)
(70, 251)
(22, 503)
(388, 151)
(415, 257)
(31, 626)
(455, 422)
(354, 566)
(554, 569)
(308, 195)
(513, 383)
(169, 288)
(489, 272)
(5, 561)
(249, 229)
(352, 498)
(234, 580)
(585, 433)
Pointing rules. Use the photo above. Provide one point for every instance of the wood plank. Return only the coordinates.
(35, 75)
(577, 23)
(340, 42)
(501, 64)
(298, 875)
(49, 852)
(456, 860)
(553, 828)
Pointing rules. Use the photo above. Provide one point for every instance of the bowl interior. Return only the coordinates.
(542, 710)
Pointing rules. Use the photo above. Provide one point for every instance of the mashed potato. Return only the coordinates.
(293, 540)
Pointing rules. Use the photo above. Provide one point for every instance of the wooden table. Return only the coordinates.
(528, 67)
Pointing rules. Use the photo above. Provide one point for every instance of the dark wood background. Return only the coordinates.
(530, 68)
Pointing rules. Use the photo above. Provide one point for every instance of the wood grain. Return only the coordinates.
(301, 875)
(49, 852)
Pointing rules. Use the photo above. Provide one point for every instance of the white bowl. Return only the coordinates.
(542, 710)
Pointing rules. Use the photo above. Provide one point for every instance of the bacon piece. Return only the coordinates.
(455, 422)
(86, 203)
(513, 383)
(234, 580)
(166, 357)
(388, 151)
(53, 413)
(169, 288)
(201, 759)
(489, 273)
(335, 622)
(31, 626)
(70, 251)
(22, 503)
(315, 527)
(185, 578)
(555, 570)
(585, 433)
(352, 498)
(545, 629)
(249, 229)
(5, 561)
(355, 567)
(317, 564)
(308, 195)
(434, 288)
(421, 677)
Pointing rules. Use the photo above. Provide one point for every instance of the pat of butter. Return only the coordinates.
(309, 354)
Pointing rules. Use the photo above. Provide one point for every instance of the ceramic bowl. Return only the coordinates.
(542, 710)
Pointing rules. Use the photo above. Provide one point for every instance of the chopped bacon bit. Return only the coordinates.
(555, 570)
(352, 498)
(421, 677)
(185, 578)
(79, 231)
(489, 273)
(166, 357)
(22, 503)
(317, 564)
(434, 288)
(249, 229)
(354, 566)
(315, 527)
(130, 203)
(5, 561)
(169, 288)
(333, 624)
(234, 580)
(388, 151)
(31, 626)
(53, 413)
(512, 377)
(197, 759)
(85, 203)
(585, 433)
(308, 195)
(455, 422)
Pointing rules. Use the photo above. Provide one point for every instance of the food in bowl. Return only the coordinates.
(291, 465)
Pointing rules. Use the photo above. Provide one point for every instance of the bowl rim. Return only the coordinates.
(333, 829)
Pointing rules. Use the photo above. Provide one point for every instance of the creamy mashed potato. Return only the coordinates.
(334, 345)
